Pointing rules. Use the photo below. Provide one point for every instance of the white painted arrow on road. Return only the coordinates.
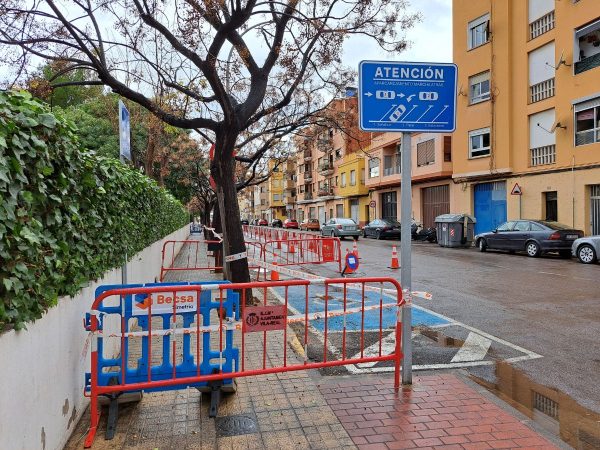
(474, 349)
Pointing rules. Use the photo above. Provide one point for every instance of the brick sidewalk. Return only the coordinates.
(304, 410)
(439, 411)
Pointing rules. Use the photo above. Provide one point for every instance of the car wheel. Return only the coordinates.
(482, 245)
(356, 238)
(586, 254)
(332, 233)
(364, 234)
(378, 235)
(533, 249)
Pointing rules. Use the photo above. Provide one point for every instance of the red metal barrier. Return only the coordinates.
(263, 234)
(252, 329)
(317, 250)
(197, 256)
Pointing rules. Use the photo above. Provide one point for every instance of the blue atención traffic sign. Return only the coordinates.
(407, 96)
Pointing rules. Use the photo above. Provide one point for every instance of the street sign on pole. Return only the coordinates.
(124, 132)
(407, 96)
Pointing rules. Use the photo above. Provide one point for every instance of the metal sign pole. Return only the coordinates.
(407, 97)
(405, 256)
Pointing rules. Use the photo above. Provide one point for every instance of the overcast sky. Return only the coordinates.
(431, 38)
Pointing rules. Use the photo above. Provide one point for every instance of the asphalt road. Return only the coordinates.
(547, 305)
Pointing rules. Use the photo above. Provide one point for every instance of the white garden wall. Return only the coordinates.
(42, 368)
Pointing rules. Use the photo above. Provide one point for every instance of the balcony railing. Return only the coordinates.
(588, 136)
(290, 184)
(307, 155)
(308, 196)
(541, 25)
(326, 169)
(308, 176)
(543, 155)
(325, 192)
(541, 91)
(587, 63)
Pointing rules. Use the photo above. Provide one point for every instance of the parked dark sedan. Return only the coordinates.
(382, 228)
(531, 236)
(276, 223)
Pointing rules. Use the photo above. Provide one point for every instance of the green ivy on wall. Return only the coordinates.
(66, 215)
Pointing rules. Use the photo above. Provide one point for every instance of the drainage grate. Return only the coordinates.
(545, 405)
(587, 441)
(236, 425)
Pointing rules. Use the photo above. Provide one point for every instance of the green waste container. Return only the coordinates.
(455, 230)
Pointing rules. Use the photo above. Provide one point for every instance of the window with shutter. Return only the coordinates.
(426, 152)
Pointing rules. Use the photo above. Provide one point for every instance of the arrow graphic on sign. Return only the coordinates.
(389, 111)
(368, 94)
(445, 108)
(408, 113)
(428, 108)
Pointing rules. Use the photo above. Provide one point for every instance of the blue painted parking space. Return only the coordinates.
(316, 303)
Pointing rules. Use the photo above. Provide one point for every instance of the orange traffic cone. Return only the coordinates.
(291, 248)
(395, 264)
(274, 273)
(355, 248)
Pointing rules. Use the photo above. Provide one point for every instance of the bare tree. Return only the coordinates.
(242, 67)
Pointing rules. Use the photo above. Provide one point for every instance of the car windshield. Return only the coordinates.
(555, 225)
(392, 223)
(346, 221)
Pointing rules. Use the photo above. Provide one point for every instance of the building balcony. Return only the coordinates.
(588, 63)
(326, 169)
(308, 196)
(325, 192)
(308, 177)
(541, 25)
(289, 185)
(543, 155)
(541, 91)
(307, 154)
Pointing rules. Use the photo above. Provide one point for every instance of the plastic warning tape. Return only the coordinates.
(317, 279)
(237, 324)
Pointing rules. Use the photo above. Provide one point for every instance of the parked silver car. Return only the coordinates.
(340, 227)
(586, 249)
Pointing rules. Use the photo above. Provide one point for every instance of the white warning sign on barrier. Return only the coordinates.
(162, 303)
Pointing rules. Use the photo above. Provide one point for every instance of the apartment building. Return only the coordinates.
(281, 189)
(260, 198)
(431, 175)
(329, 178)
(528, 111)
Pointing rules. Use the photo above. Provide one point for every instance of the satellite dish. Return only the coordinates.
(562, 61)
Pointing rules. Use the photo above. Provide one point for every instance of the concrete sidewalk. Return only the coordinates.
(306, 410)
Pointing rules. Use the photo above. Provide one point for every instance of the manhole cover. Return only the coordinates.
(236, 425)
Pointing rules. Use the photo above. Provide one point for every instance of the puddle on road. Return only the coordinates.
(555, 411)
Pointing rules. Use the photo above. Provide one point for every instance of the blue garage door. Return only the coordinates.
(490, 205)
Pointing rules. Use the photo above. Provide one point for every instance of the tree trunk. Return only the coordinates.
(227, 203)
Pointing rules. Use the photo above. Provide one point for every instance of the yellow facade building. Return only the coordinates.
(276, 185)
(329, 163)
(528, 111)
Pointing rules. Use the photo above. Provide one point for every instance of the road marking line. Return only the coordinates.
(474, 349)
